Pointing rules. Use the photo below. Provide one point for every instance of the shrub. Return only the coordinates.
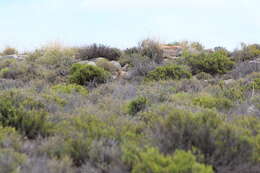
(10, 51)
(137, 105)
(78, 135)
(212, 63)
(95, 51)
(247, 52)
(105, 64)
(70, 88)
(204, 76)
(151, 161)
(221, 143)
(83, 74)
(24, 118)
(207, 101)
(256, 83)
(11, 161)
(167, 72)
(9, 138)
(151, 49)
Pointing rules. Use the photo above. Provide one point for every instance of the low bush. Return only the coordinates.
(204, 76)
(95, 51)
(137, 105)
(221, 143)
(24, 117)
(169, 72)
(213, 63)
(247, 52)
(210, 102)
(83, 74)
(11, 161)
(151, 49)
(70, 89)
(152, 161)
(107, 65)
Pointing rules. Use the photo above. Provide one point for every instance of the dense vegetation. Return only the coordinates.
(197, 113)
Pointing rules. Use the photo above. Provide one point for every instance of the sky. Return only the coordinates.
(29, 24)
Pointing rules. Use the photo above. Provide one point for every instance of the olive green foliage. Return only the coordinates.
(11, 161)
(27, 116)
(58, 115)
(137, 105)
(95, 51)
(204, 76)
(247, 52)
(108, 66)
(208, 101)
(167, 72)
(83, 74)
(151, 48)
(205, 131)
(152, 161)
(256, 83)
(213, 63)
(70, 89)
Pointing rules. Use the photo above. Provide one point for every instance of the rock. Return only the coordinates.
(171, 51)
(125, 68)
(229, 81)
(10, 56)
(99, 59)
(116, 64)
(123, 75)
(88, 62)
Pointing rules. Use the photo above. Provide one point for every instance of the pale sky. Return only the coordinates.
(28, 24)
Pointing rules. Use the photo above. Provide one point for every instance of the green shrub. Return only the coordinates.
(137, 105)
(256, 84)
(70, 88)
(83, 74)
(105, 64)
(95, 51)
(221, 143)
(78, 135)
(9, 138)
(11, 161)
(24, 117)
(151, 49)
(151, 161)
(212, 63)
(204, 76)
(247, 52)
(208, 101)
(167, 72)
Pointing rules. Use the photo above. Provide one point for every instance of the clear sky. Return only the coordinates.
(28, 24)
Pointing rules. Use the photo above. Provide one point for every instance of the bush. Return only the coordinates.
(221, 143)
(167, 72)
(137, 105)
(204, 76)
(212, 63)
(247, 52)
(70, 89)
(11, 161)
(151, 161)
(83, 74)
(24, 117)
(95, 51)
(207, 101)
(9, 51)
(151, 49)
(107, 65)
